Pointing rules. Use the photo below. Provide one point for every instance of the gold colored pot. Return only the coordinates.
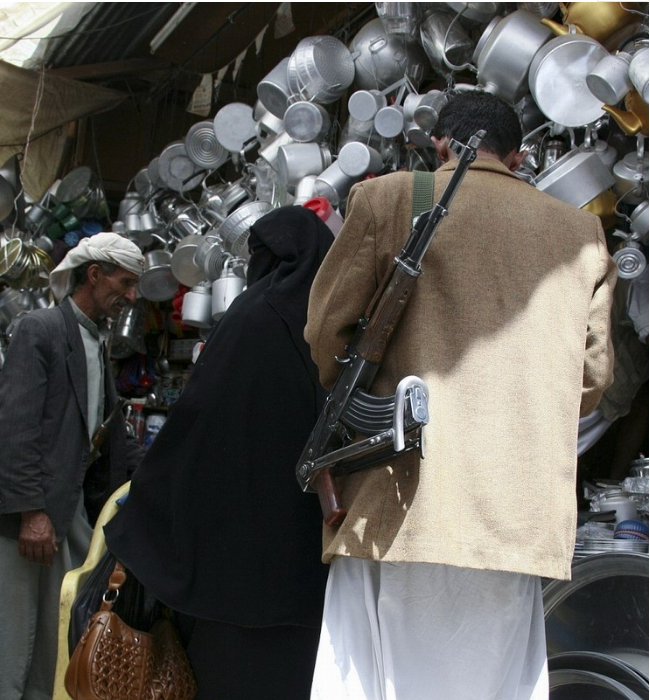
(599, 20)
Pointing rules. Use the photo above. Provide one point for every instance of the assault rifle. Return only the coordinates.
(393, 424)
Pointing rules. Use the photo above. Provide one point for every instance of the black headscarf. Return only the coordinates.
(216, 525)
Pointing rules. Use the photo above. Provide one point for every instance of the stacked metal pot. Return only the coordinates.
(331, 114)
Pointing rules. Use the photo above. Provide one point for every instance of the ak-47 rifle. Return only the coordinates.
(393, 424)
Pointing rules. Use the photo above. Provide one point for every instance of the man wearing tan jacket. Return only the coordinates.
(434, 589)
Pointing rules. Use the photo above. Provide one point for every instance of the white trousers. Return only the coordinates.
(404, 631)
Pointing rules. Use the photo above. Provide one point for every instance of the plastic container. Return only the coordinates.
(324, 209)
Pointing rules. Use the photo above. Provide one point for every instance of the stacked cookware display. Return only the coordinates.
(331, 114)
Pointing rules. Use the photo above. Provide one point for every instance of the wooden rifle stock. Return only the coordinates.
(384, 312)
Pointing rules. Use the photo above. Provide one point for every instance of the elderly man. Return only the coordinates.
(56, 388)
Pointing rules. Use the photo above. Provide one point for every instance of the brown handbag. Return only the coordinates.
(113, 661)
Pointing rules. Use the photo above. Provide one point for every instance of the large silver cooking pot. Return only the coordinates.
(604, 608)
(576, 178)
(586, 685)
(504, 53)
(273, 90)
(381, 60)
(157, 282)
(558, 79)
(444, 40)
(604, 665)
(320, 69)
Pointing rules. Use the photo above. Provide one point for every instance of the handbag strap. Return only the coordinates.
(115, 582)
(422, 197)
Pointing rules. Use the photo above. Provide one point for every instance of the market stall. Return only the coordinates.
(332, 113)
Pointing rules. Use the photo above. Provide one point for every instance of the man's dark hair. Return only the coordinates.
(467, 112)
(80, 273)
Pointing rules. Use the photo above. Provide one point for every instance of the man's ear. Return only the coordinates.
(442, 148)
(514, 159)
(93, 272)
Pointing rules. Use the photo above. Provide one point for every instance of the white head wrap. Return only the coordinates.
(102, 247)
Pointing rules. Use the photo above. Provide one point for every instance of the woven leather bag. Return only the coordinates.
(113, 661)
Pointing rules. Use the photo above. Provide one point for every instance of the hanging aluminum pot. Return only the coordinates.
(267, 125)
(273, 90)
(609, 80)
(476, 12)
(631, 177)
(558, 79)
(334, 184)
(320, 69)
(505, 51)
(297, 160)
(445, 41)
(157, 282)
(132, 203)
(427, 111)
(306, 121)
(356, 160)
(225, 290)
(389, 121)
(400, 19)
(381, 60)
(638, 73)
(197, 307)
(364, 104)
(143, 184)
(575, 178)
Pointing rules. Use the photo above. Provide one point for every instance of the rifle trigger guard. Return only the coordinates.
(419, 395)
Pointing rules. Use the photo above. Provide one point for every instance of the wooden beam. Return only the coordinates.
(100, 71)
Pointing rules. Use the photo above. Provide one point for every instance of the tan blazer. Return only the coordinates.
(509, 327)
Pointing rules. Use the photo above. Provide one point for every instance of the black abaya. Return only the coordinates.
(215, 525)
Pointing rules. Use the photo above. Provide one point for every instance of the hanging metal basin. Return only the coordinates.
(235, 229)
(321, 69)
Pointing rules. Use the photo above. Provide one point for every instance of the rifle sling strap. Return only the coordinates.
(422, 199)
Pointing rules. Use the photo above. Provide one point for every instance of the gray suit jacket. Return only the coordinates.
(43, 423)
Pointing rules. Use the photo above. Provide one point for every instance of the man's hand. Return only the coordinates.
(37, 539)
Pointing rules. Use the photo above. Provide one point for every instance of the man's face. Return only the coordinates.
(111, 292)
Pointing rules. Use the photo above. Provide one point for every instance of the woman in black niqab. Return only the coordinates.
(215, 525)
